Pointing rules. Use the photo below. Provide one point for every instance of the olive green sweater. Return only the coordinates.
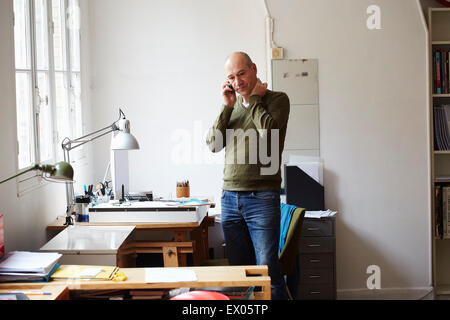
(260, 170)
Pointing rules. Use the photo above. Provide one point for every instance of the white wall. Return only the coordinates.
(162, 61)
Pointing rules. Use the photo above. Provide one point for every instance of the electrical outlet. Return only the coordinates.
(277, 53)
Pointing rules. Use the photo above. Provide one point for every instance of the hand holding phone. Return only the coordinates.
(229, 95)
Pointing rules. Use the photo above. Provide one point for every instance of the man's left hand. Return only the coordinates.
(260, 89)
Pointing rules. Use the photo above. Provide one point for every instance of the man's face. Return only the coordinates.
(240, 75)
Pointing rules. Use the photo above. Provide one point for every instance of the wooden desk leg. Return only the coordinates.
(170, 255)
(180, 236)
(200, 236)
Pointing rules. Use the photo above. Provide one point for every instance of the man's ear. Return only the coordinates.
(254, 68)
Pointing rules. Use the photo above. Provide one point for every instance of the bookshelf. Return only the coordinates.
(439, 40)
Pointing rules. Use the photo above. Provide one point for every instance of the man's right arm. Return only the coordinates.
(216, 138)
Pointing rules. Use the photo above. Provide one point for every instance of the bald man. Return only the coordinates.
(252, 128)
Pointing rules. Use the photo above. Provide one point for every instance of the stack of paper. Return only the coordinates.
(28, 266)
(319, 214)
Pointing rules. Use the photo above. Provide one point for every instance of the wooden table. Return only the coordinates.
(174, 252)
(226, 276)
(58, 291)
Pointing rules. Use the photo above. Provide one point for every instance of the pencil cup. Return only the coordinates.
(182, 192)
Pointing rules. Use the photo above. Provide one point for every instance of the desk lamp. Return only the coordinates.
(122, 140)
(59, 172)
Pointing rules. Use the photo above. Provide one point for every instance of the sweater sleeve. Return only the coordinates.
(274, 116)
(216, 137)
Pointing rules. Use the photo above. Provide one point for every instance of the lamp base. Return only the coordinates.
(69, 221)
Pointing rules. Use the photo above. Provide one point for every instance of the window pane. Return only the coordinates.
(22, 34)
(73, 24)
(62, 109)
(59, 37)
(45, 117)
(24, 119)
(41, 31)
(75, 105)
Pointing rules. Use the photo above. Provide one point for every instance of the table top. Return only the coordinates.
(221, 276)
(58, 225)
(89, 239)
(55, 290)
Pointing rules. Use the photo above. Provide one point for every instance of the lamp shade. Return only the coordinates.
(59, 172)
(123, 139)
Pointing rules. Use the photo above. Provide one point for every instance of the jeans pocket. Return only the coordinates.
(223, 193)
(265, 195)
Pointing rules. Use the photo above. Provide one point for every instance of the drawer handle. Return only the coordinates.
(314, 277)
(314, 292)
(313, 229)
(313, 245)
(314, 261)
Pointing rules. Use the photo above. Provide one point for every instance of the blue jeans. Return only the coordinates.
(251, 227)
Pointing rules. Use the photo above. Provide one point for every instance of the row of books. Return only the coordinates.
(442, 211)
(441, 73)
(441, 115)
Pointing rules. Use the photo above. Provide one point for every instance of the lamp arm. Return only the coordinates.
(67, 144)
(35, 167)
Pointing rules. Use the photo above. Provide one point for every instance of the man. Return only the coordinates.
(252, 123)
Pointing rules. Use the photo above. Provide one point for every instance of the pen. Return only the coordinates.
(34, 293)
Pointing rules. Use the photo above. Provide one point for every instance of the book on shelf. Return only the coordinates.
(441, 71)
(445, 212)
(438, 218)
(441, 117)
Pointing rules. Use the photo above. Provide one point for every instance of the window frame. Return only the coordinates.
(32, 181)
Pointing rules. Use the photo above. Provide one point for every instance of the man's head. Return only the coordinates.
(241, 72)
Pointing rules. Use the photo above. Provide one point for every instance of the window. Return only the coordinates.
(48, 78)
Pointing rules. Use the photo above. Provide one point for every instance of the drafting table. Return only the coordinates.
(194, 227)
(90, 245)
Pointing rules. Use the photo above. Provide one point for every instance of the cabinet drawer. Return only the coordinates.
(316, 260)
(318, 228)
(317, 276)
(316, 244)
(316, 292)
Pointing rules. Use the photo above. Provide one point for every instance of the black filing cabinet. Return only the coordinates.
(317, 260)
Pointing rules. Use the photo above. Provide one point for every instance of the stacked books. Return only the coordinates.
(21, 266)
(441, 74)
(441, 115)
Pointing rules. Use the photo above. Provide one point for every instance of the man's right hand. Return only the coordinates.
(229, 95)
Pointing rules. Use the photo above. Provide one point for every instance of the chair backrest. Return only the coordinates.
(291, 247)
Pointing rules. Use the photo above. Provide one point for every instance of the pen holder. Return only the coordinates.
(183, 192)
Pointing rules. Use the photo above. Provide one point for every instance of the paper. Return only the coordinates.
(320, 214)
(20, 261)
(158, 275)
(85, 272)
(312, 166)
(90, 272)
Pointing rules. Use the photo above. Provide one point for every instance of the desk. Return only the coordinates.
(58, 292)
(226, 276)
(174, 252)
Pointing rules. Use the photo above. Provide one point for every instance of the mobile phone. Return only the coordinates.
(230, 87)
